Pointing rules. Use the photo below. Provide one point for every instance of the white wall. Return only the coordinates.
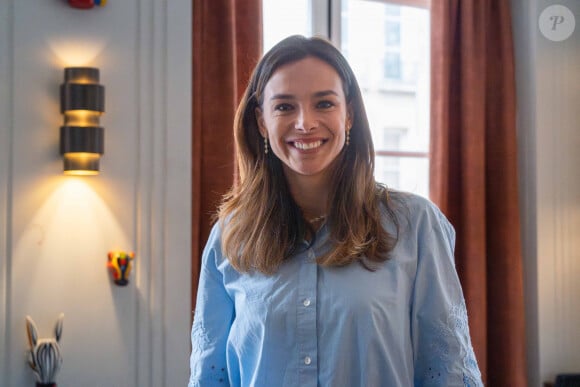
(55, 231)
(548, 83)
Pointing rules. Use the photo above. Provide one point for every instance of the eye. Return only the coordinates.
(283, 107)
(324, 104)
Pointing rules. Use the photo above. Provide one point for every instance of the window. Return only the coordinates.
(392, 58)
(392, 65)
(387, 44)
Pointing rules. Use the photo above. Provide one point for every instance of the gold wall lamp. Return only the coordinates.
(82, 101)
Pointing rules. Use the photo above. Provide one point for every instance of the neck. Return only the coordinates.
(310, 193)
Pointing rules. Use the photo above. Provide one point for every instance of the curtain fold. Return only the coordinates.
(474, 174)
(227, 43)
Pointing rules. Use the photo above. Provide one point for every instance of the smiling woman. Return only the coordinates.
(315, 274)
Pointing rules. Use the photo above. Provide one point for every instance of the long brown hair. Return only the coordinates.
(261, 223)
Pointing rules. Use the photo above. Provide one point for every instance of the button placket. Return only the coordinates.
(306, 320)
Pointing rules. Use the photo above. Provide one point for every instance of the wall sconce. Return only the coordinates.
(82, 101)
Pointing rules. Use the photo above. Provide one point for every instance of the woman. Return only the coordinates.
(315, 275)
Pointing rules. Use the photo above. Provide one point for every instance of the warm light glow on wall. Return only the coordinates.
(67, 238)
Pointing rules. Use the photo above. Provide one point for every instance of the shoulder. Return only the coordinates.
(215, 236)
(412, 205)
(415, 204)
(213, 258)
(212, 252)
(418, 213)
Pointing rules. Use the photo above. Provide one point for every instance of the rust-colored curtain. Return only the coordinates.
(474, 176)
(227, 43)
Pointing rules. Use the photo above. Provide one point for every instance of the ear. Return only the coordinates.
(349, 117)
(32, 332)
(58, 327)
(260, 120)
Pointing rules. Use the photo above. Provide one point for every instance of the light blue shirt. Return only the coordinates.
(404, 324)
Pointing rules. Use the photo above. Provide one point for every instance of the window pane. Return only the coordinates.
(392, 63)
(285, 18)
(393, 33)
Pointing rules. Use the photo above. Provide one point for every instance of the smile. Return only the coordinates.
(308, 145)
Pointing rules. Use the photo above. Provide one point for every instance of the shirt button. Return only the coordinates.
(306, 302)
(307, 360)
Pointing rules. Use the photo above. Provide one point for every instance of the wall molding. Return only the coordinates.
(163, 191)
(6, 156)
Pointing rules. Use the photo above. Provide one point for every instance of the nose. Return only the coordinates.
(306, 120)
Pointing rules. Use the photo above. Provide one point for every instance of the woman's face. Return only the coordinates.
(305, 116)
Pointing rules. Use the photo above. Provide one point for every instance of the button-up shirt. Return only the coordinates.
(404, 324)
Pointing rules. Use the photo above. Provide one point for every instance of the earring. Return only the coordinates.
(265, 145)
(347, 141)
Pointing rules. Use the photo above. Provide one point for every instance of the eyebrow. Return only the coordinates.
(318, 94)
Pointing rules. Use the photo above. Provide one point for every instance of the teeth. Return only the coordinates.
(309, 145)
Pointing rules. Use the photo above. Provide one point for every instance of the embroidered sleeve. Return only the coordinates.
(211, 324)
(443, 353)
(451, 343)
